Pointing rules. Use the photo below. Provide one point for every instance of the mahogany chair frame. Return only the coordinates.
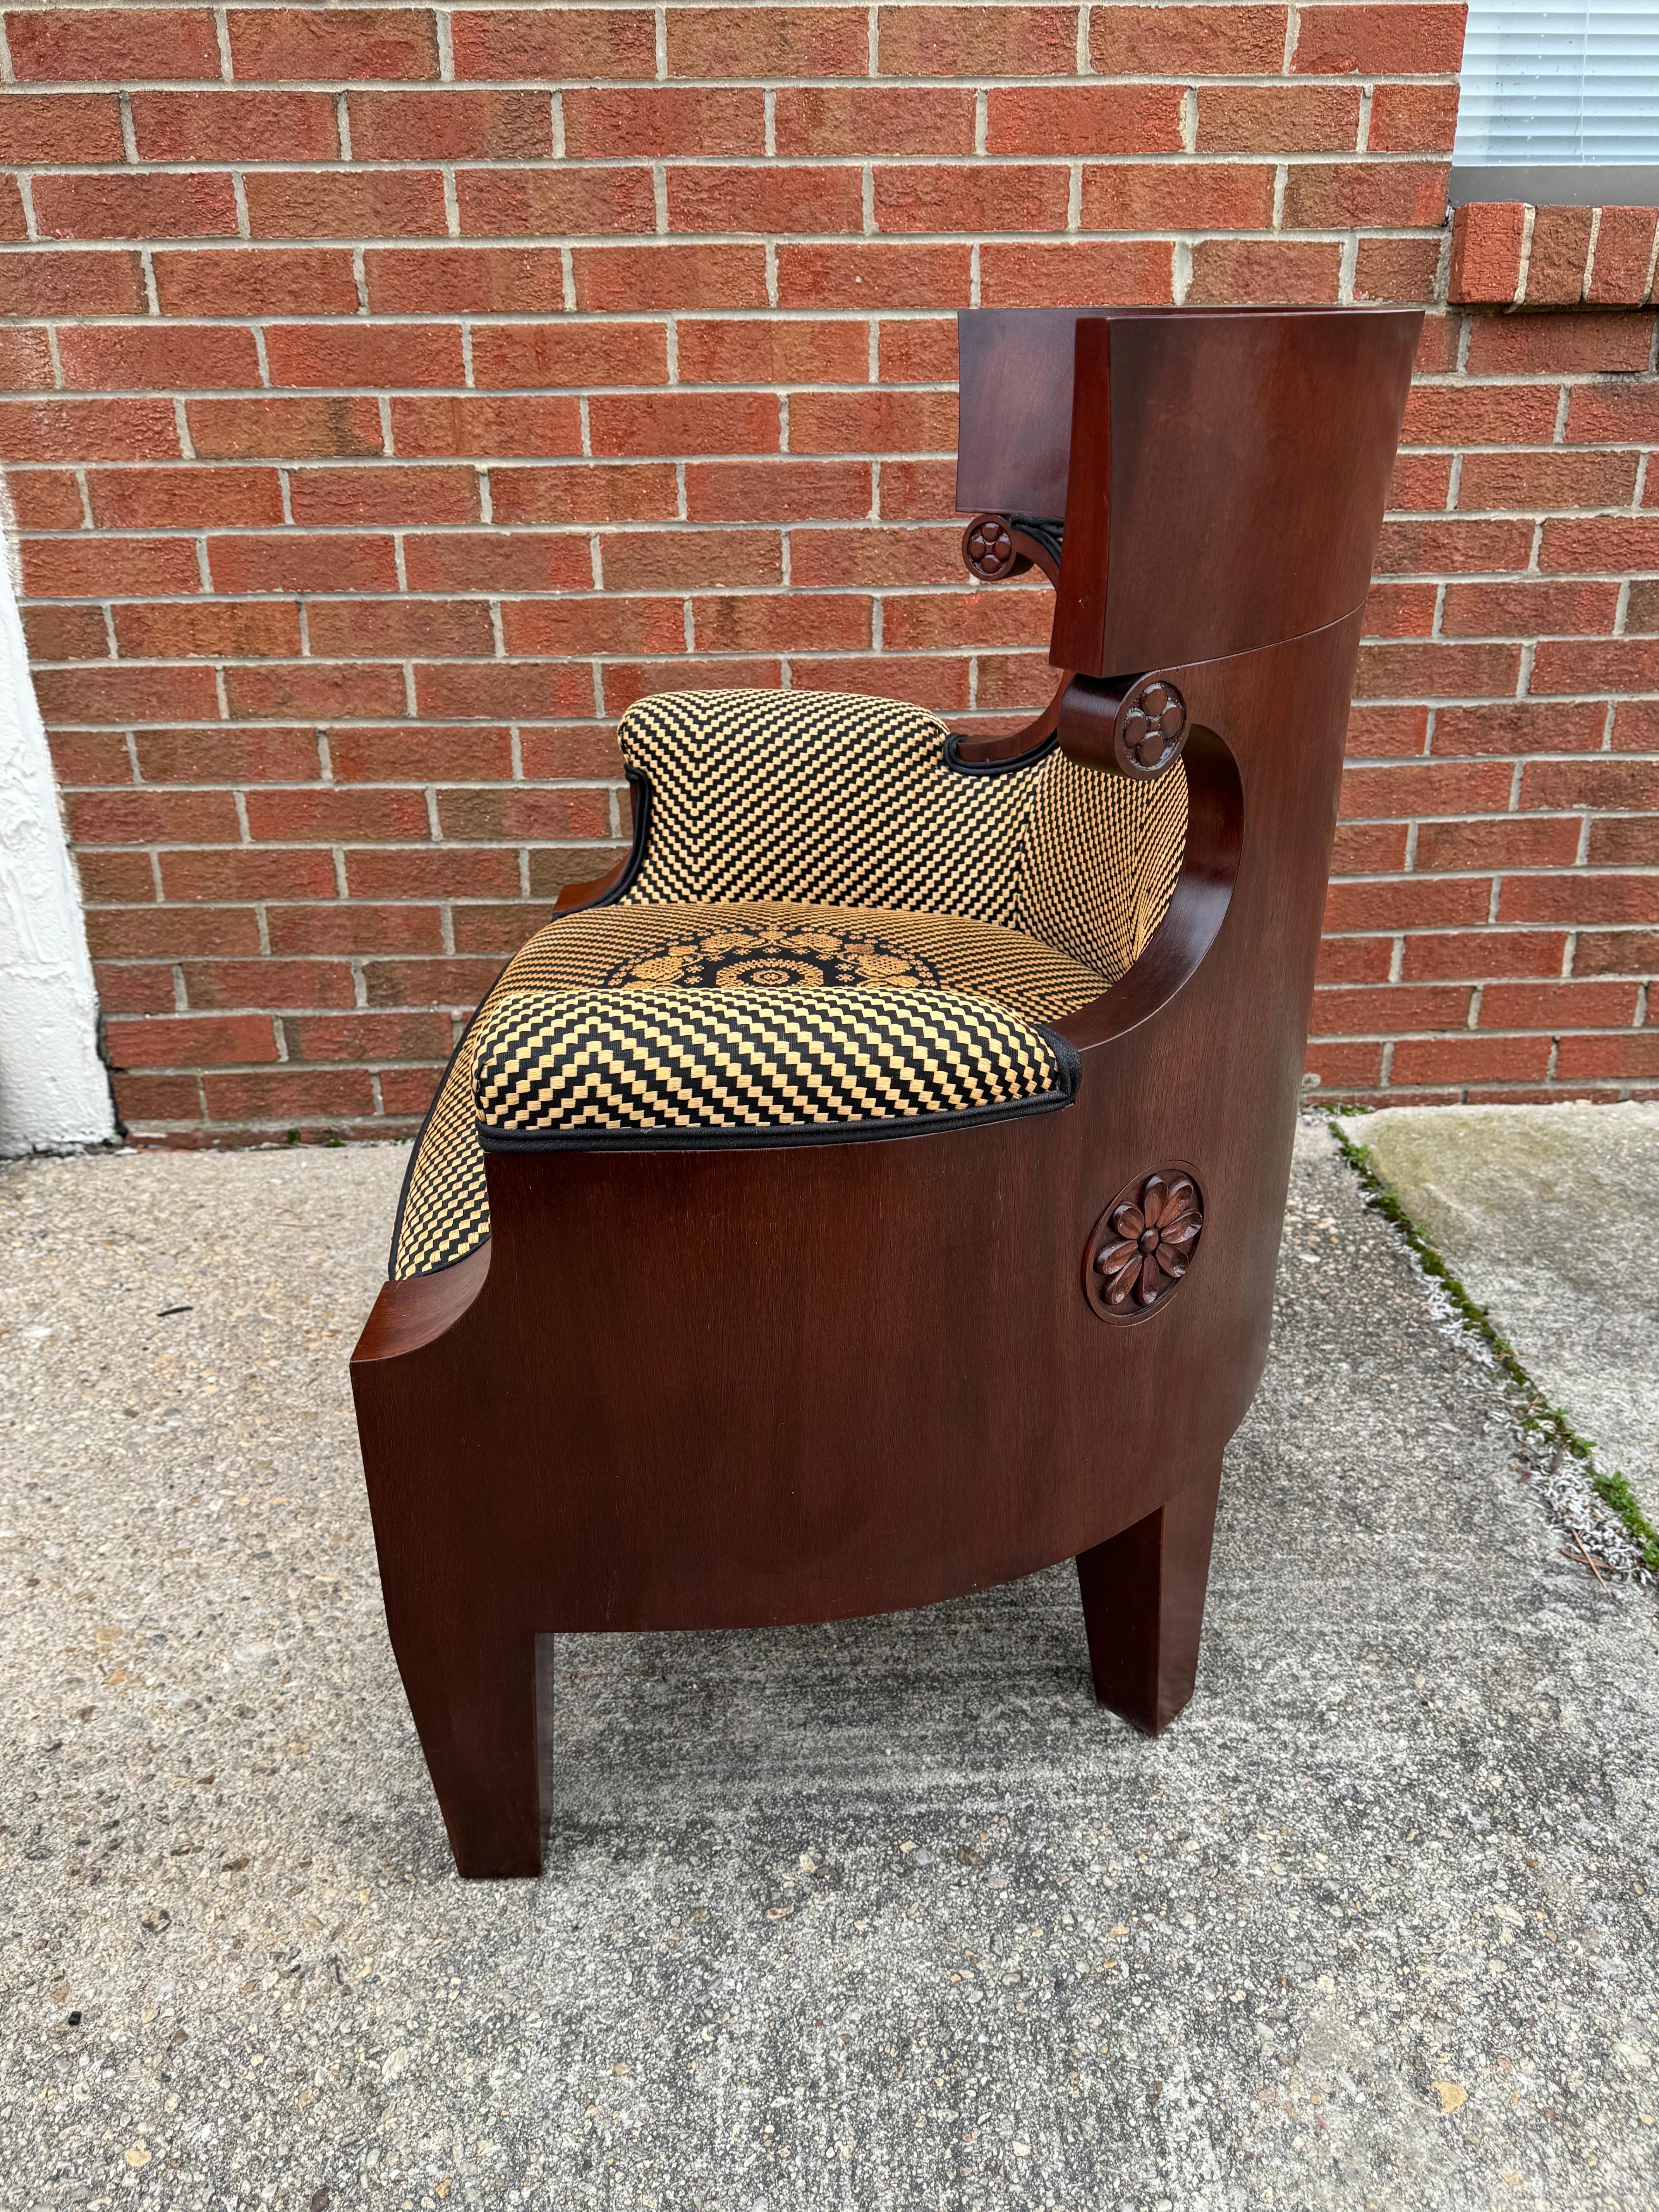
(731, 1387)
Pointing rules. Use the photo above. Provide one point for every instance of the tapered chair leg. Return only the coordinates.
(1143, 1606)
(476, 1709)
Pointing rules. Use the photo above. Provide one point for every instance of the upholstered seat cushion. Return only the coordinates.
(704, 1023)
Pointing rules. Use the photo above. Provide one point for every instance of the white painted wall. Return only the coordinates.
(54, 1093)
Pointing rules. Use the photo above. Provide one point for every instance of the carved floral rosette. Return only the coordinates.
(1140, 1251)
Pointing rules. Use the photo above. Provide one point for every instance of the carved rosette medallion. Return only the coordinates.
(987, 547)
(1151, 728)
(1141, 1248)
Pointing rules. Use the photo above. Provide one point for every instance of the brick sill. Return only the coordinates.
(1508, 253)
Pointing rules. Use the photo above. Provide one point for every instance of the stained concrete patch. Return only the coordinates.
(884, 1915)
(1549, 1217)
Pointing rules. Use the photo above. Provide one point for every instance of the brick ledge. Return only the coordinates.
(1507, 253)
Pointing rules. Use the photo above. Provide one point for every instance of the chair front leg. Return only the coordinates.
(482, 1698)
(1143, 1606)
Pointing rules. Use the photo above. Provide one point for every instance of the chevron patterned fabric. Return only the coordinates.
(831, 931)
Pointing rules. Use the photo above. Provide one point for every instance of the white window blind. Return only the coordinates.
(1545, 84)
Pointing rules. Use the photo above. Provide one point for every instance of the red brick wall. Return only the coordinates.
(394, 393)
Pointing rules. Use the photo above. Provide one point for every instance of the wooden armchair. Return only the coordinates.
(872, 1191)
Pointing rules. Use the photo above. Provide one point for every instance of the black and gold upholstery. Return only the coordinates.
(830, 930)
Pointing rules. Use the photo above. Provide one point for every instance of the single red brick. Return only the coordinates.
(1479, 415)
(249, 280)
(1566, 344)
(1355, 959)
(183, 498)
(1634, 1055)
(916, 491)
(1627, 841)
(1033, 276)
(1628, 412)
(778, 199)
(96, 45)
(283, 429)
(449, 127)
(400, 627)
(432, 871)
(226, 755)
(675, 424)
(1615, 663)
(557, 752)
(582, 356)
(1010, 40)
(633, 278)
(439, 280)
(685, 560)
(236, 629)
(366, 204)
(1428, 546)
(246, 872)
(1400, 610)
(783, 622)
(1184, 195)
(872, 120)
(485, 424)
(1337, 1068)
(780, 490)
(325, 43)
(145, 1102)
(873, 422)
(285, 1095)
(458, 983)
(1616, 952)
(552, 203)
(51, 283)
(201, 205)
(1430, 670)
(1642, 613)
(126, 989)
(1500, 841)
(136, 357)
(561, 44)
(626, 681)
(1400, 40)
(658, 121)
(65, 634)
(90, 567)
(1019, 681)
(1471, 1059)
(1509, 727)
(1635, 726)
(926, 679)
(1534, 481)
(225, 985)
(14, 223)
(1421, 481)
(934, 621)
(1292, 118)
(1397, 268)
(1488, 240)
(45, 499)
(1226, 271)
(1177, 41)
(498, 561)
(108, 876)
(197, 1041)
(220, 126)
(499, 927)
(419, 753)
(504, 689)
(766, 351)
(376, 354)
(284, 689)
(608, 623)
(384, 492)
(152, 817)
(1106, 118)
(1557, 1005)
(1436, 345)
(635, 491)
(1411, 789)
(356, 928)
(1401, 1006)
(88, 430)
(89, 757)
(1413, 119)
(59, 126)
(1530, 610)
(334, 817)
(767, 42)
(1560, 256)
(26, 361)
(1387, 732)
(1610, 785)
(1475, 954)
(911, 352)
(1623, 257)
(516, 812)
(1579, 899)
(292, 561)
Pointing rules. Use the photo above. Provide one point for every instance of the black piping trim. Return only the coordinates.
(639, 785)
(1068, 1068)
(953, 756)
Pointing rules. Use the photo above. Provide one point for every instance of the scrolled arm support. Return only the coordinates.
(995, 547)
(1134, 727)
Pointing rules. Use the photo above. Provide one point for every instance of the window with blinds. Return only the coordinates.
(1561, 87)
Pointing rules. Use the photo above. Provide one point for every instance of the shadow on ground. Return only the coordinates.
(881, 1914)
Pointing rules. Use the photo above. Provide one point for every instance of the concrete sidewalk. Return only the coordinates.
(885, 1915)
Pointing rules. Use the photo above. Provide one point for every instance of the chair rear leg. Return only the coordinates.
(484, 1729)
(1143, 1606)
